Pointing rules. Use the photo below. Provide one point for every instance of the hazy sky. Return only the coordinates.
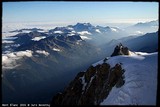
(72, 12)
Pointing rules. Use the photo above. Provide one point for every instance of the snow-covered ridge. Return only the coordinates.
(113, 29)
(71, 34)
(140, 80)
(85, 37)
(97, 30)
(83, 83)
(118, 80)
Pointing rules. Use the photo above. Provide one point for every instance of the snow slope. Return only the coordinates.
(140, 80)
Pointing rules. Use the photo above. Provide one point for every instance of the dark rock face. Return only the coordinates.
(120, 50)
(91, 87)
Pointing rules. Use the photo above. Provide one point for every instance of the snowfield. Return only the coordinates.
(56, 49)
(58, 32)
(140, 76)
(38, 38)
(84, 33)
(85, 37)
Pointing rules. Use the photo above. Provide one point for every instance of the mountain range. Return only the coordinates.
(145, 43)
(35, 60)
(143, 27)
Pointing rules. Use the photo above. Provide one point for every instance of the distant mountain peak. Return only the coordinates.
(86, 24)
(150, 23)
(120, 50)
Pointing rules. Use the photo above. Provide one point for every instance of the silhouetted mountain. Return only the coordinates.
(146, 24)
(120, 50)
(142, 28)
(144, 43)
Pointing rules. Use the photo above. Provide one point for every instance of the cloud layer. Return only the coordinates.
(42, 52)
(9, 60)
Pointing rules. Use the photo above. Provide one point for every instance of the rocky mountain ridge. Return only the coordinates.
(93, 86)
(122, 79)
(90, 87)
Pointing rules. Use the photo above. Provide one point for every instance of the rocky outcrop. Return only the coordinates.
(120, 50)
(92, 86)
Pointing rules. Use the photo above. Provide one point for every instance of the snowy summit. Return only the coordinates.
(125, 78)
(140, 80)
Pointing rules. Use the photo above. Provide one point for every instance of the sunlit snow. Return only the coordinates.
(58, 32)
(85, 37)
(84, 33)
(113, 29)
(38, 38)
(97, 30)
(140, 80)
(56, 49)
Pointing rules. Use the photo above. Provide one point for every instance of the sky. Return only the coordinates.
(72, 12)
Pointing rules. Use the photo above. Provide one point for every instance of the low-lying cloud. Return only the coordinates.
(9, 60)
(42, 52)
(6, 41)
(84, 33)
